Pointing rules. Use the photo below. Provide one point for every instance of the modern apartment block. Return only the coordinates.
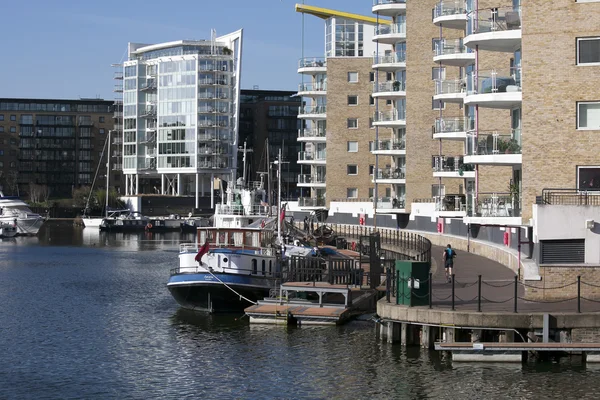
(338, 110)
(57, 144)
(181, 103)
(270, 116)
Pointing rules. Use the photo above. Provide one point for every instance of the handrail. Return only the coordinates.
(571, 197)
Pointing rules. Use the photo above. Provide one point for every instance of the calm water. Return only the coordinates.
(87, 315)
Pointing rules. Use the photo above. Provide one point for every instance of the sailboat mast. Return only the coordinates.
(269, 174)
(279, 197)
(107, 173)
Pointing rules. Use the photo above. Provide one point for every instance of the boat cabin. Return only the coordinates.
(240, 238)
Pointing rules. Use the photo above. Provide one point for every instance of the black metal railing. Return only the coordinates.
(570, 197)
(498, 295)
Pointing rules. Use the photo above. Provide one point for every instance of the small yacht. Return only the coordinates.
(124, 221)
(16, 212)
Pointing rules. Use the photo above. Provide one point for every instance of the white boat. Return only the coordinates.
(124, 221)
(7, 230)
(16, 212)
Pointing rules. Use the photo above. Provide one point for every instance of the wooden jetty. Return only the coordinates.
(333, 304)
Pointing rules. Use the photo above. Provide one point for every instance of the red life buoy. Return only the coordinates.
(506, 238)
(149, 226)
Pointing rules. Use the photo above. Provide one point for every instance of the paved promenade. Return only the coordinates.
(497, 289)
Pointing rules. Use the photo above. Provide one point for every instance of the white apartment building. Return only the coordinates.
(181, 105)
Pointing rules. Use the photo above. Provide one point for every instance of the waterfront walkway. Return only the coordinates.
(497, 289)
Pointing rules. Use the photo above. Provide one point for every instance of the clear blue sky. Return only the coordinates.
(64, 48)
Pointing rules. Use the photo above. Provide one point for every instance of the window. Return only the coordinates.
(101, 119)
(1, 129)
(1, 117)
(371, 100)
(388, 102)
(371, 192)
(353, 77)
(588, 51)
(588, 115)
(371, 76)
(438, 73)
(371, 169)
(353, 100)
(1, 152)
(389, 76)
(352, 169)
(437, 104)
(588, 178)
(13, 117)
(352, 147)
(352, 123)
(101, 131)
(13, 129)
(352, 193)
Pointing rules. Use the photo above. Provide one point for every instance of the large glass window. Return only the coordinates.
(588, 178)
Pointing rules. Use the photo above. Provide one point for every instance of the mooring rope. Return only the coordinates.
(230, 288)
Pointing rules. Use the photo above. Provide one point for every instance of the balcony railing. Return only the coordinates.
(570, 197)
(383, 2)
(312, 87)
(391, 173)
(148, 112)
(398, 28)
(312, 62)
(118, 88)
(449, 7)
(391, 203)
(395, 86)
(450, 164)
(311, 202)
(450, 46)
(450, 203)
(456, 86)
(498, 205)
(495, 142)
(312, 133)
(390, 144)
(312, 156)
(453, 125)
(307, 179)
(148, 85)
(397, 57)
(312, 110)
(117, 167)
(494, 20)
(389, 116)
(494, 81)
(118, 75)
(81, 121)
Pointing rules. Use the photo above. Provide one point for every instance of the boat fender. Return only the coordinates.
(149, 226)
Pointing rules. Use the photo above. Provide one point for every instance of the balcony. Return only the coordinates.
(117, 114)
(391, 175)
(118, 89)
(311, 202)
(117, 140)
(117, 167)
(452, 128)
(452, 167)
(311, 181)
(216, 162)
(453, 52)
(452, 91)
(389, 8)
(391, 205)
(389, 90)
(312, 65)
(390, 62)
(212, 123)
(450, 206)
(318, 157)
(494, 148)
(312, 112)
(149, 85)
(450, 14)
(494, 89)
(495, 209)
(312, 89)
(390, 119)
(148, 112)
(390, 34)
(391, 147)
(223, 109)
(213, 82)
(118, 75)
(494, 29)
(312, 135)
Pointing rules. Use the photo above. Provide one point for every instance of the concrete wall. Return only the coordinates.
(552, 85)
(569, 222)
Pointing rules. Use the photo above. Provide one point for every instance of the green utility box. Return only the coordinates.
(412, 280)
